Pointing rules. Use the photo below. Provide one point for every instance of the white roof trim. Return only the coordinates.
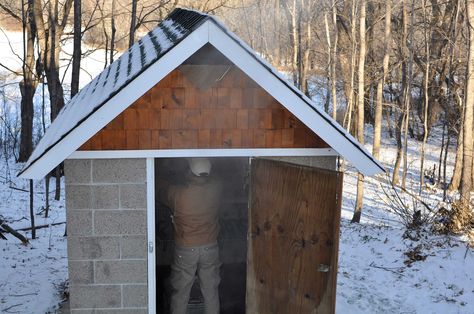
(224, 152)
(118, 103)
(243, 57)
(302, 107)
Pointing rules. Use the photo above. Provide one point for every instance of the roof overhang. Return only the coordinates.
(211, 31)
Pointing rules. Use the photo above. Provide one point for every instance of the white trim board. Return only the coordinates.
(151, 245)
(231, 152)
(118, 103)
(264, 77)
(246, 60)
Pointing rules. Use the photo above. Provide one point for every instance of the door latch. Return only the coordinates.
(150, 247)
(324, 268)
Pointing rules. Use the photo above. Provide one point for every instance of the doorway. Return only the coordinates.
(233, 175)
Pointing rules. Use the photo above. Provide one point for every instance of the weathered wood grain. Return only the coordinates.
(293, 229)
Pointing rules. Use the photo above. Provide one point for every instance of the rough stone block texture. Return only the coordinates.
(107, 249)
(105, 196)
(95, 296)
(111, 311)
(325, 162)
(78, 197)
(79, 222)
(119, 170)
(133, 247)
(133, 196)
(120, 271)
(77, 171)
(119, 222)
(81, 272)
(135, 295)
(93, 248)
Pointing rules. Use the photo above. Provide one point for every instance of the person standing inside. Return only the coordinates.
(195, 206)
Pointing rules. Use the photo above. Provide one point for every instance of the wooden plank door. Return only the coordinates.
(293, 238)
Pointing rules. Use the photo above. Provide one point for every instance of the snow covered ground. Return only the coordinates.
(373, 276)
(30, 276)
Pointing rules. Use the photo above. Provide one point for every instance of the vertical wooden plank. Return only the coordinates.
(247, 138)
(232, 138)
(223, 97)
(132, 139)
(191, 119)
(143, 119)
(204, 138)
(165, 139)
(259, 138)
(293, 229)
(144, 139)
(130, 119)
(155, 119)
(190, 97)
(242, 119)
(287, 136)
(215, 138)
(235, 98)
(155, 139)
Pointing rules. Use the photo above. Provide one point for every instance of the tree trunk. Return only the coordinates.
(381, 81)
(76, 54)
(360, 108)
(133, 22)
(113, 31)
(466, 185)
(334, 61)
(408, 90)
(28, 84)
(456, 179)
(426, 100)
(32, 214)
(398, 160)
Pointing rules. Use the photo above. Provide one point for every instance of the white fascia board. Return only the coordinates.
(231, 152)
(118, 103)
(280, 91)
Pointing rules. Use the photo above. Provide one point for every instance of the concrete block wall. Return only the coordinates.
(107, 246)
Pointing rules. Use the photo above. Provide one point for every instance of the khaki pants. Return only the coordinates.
(188, 260)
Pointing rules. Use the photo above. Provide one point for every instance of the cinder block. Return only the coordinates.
(119, 171)
(124, 222)
(79, 222)
(77, 171)
(111, 311)
(135, 296)
(326, 162)
(92, 296)
(133, 196)
(133, 247)
(120, 271)
(78, 197)
(86, 248)
(105, 196)
(81, 272)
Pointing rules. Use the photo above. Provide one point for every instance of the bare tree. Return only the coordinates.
(133, 22)
(381, 81)
(360, 107)
(466, 185)
(76, 54)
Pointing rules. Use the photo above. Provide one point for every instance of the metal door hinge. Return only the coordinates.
(150, 247)
(324, 268)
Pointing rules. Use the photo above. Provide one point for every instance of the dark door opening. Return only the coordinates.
(233, 174)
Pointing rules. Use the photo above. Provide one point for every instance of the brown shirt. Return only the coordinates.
(195, 211)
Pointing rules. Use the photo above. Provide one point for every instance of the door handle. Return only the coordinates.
(324, 268)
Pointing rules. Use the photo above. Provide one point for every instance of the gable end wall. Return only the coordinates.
(106, 219)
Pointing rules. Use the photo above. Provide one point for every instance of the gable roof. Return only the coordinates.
(150, 59)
